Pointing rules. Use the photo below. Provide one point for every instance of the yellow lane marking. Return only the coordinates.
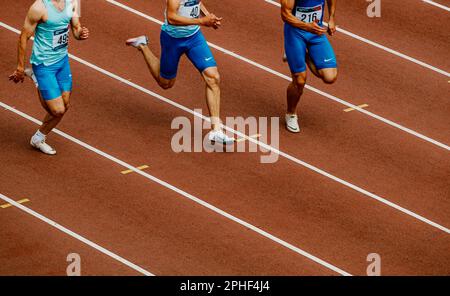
(10, 205)
(253, 136)
(142, 167)
(360, 106)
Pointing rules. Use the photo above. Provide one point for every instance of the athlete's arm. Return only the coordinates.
(207, 13)
(203, 9)
(32, 19)
(331, 11)
(78, 32)
(286, 15)
(174, 19)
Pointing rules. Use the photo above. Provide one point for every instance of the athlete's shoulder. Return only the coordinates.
(37, 10)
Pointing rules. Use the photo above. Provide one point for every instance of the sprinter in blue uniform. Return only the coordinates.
(306, 43)
(181, 34)
(50, 21)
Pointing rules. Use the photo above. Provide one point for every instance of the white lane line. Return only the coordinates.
(437, 5)
(382, 47)
(75, 235)
(181, 192)
(263, 145)
(311, 88)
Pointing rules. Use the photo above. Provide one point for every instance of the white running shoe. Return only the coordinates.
(292, 123)
(220, 137)
(29, 73)
(42, 146)
(137, 41)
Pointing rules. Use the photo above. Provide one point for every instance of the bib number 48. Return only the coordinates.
(195, 12)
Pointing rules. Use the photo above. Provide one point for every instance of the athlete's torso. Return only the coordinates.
(188, 9)
(52, 36)
(309, 11)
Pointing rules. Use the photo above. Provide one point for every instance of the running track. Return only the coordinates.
(187, 213)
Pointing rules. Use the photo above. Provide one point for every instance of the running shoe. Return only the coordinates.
(137, 41)
(220, 137)
(42, 146)
(292, 123)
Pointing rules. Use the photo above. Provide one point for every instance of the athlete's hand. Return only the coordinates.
(17, 76)
(315, 28)
(212, 20)
(331, 26)
(84, 33)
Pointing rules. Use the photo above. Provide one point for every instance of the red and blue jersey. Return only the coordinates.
(309, 11)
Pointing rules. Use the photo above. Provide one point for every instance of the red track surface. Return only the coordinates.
(165, 233)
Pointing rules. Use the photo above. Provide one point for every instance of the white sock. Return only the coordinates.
(38, 136)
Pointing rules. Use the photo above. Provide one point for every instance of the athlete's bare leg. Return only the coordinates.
(295, 91)
(56, 109)
(212, 79)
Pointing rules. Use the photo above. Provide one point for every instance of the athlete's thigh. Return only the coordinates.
(64, 78)
(171, 52)
(47, 82)
(321, 52)
(66, 98)
(200, 54)
(295, 48)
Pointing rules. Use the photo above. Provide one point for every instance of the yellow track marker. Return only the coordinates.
(10, 205)
(253, 136)
(360, 106)
(142, 167)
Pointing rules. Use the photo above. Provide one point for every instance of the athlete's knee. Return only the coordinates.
(212, 78)
(330, 77)
(299, 80)
(58, 111)
(166, 84)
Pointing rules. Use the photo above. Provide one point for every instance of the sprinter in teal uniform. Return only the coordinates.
(305, 43)
(50, 21)
(181, 34)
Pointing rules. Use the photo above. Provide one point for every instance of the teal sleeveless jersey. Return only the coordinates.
(188, 9)
(51, 38)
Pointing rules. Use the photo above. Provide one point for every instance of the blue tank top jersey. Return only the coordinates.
(309, 11)
(52, 37)
(188, 9)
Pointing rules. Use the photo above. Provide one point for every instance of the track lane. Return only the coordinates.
(31, 247)
(143, 121)
(410, 200)
(142, 221)
(400, 159)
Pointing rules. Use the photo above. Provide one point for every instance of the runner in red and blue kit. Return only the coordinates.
(305, 43)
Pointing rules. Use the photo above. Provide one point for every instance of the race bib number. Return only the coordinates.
(60, 38)
(190, 9)
(309, 14)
